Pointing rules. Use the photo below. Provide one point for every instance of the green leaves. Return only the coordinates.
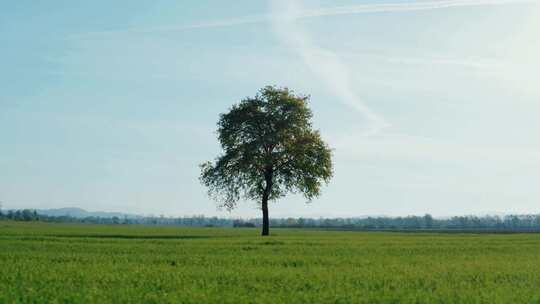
(267, 135)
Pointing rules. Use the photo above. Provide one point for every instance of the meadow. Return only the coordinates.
(62, 263)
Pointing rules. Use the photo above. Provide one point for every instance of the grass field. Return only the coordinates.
(58, 263)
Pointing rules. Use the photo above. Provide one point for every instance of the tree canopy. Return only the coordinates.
(269, 150)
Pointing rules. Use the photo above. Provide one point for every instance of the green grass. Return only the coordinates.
(57, 263)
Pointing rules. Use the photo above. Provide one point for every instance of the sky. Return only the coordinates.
(429, 106)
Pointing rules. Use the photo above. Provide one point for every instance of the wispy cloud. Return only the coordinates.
(398, 146)
(326, 64)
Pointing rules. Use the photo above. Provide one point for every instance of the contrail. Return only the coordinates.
(331, 11)
(357, 9)
(404, 7)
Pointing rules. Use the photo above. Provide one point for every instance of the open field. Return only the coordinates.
(57, 263)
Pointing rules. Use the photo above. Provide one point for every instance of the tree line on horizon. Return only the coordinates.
(428, 222)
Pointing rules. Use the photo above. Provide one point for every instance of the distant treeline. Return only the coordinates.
(426, 222)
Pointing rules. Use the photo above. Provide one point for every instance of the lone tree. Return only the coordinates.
(270, 149)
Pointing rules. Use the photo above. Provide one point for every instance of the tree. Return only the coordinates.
(27, 215)
(428, 221)
(269, 150)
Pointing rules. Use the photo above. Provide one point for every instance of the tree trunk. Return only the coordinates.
(268, 176)
(266, 220)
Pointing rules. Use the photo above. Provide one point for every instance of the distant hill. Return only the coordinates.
(81, 213)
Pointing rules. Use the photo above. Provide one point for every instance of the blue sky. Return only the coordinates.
(431, 106)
